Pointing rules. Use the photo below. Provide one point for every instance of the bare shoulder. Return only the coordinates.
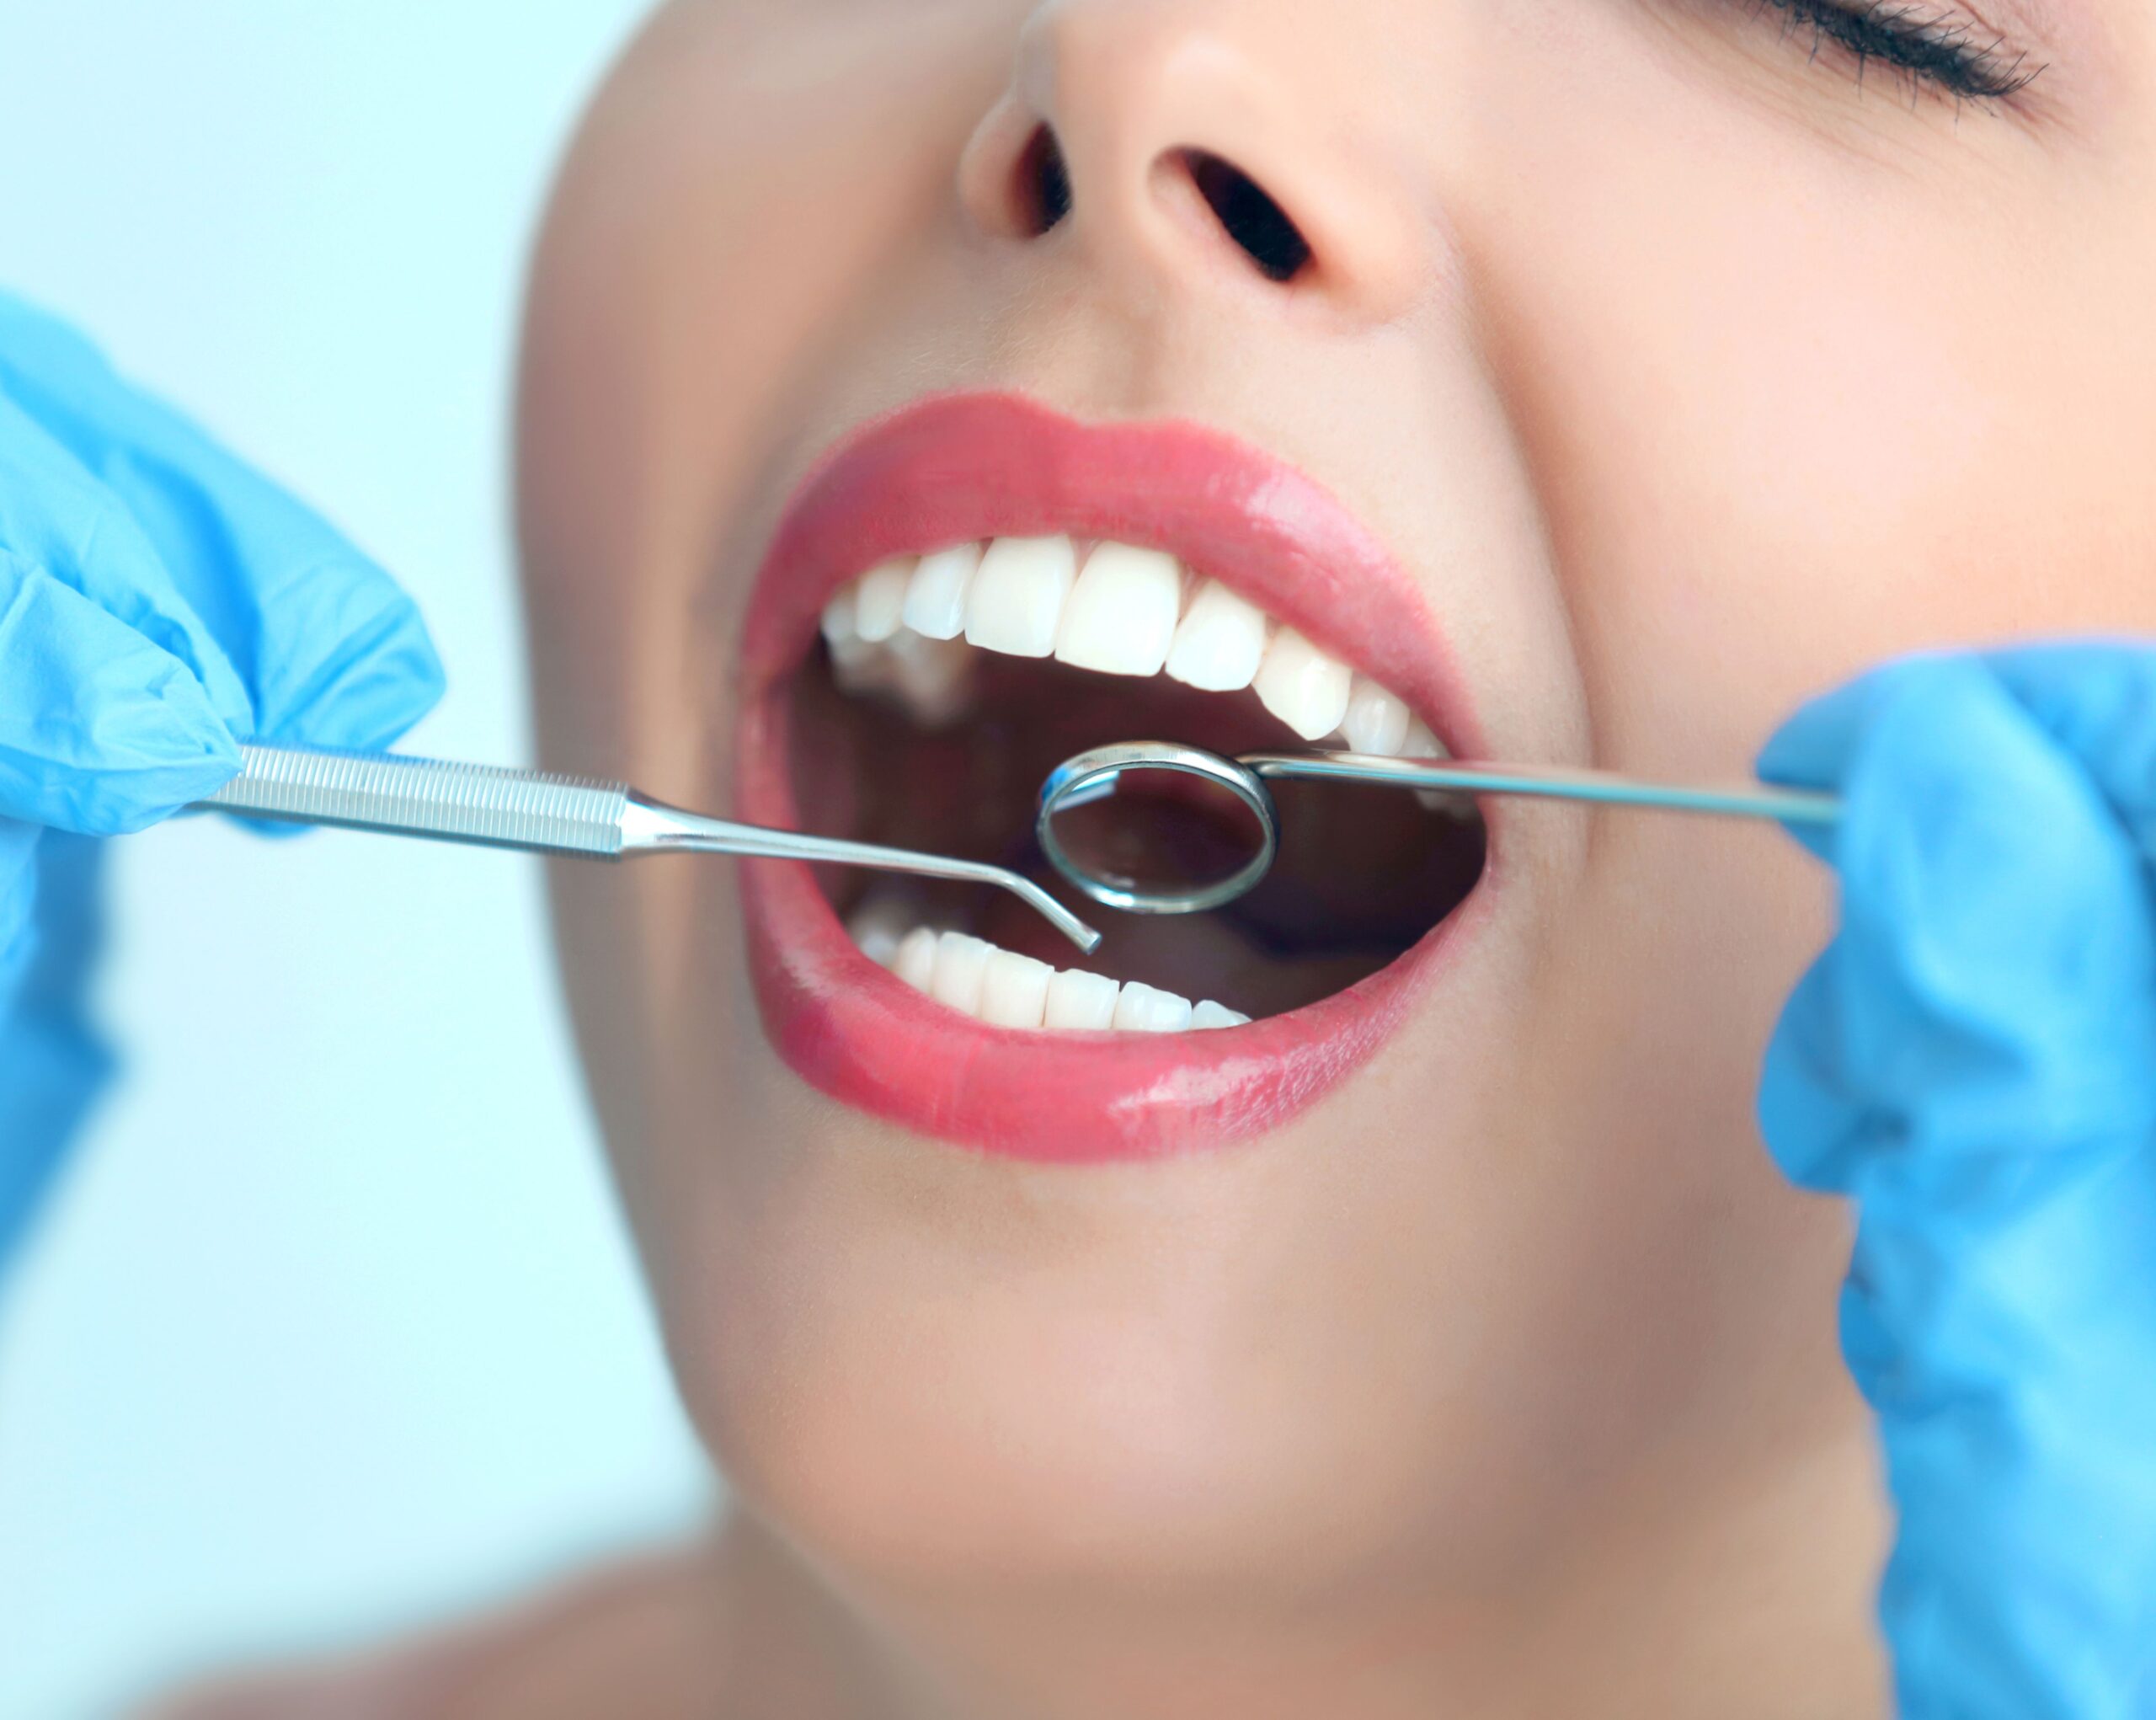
(635, 1642)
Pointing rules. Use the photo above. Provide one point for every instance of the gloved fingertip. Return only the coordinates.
(418, 679)
(1811, 750)
(1816, 745)
(156, 753)
(348, 661)
(1817, 840)
(1811, 747)
(1806, 1116)
(1827, 743)
(175, 765)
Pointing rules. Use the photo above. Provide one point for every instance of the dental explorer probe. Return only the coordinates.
(529, 810)
(1096, 774)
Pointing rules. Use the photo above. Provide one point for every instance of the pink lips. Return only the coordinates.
(978, 466)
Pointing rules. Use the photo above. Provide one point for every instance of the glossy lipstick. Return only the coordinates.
(958, 467)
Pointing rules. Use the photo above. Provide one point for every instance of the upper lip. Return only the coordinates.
(1256, 524)
(957, 468)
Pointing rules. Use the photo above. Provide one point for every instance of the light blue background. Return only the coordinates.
(333, 1325)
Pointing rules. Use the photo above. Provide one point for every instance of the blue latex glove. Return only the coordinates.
(1973, 1062)
(159, 603)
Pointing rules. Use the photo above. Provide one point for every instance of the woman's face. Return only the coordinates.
(1602, 378)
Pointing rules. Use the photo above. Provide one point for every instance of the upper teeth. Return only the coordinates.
(912, 626)
(1117, 611)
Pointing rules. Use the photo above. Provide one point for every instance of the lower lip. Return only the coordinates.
(857, 1032)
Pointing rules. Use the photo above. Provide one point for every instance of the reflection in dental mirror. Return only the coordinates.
(1155, 832)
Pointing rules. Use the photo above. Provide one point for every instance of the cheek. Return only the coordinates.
(710, 229)
(1796, 404)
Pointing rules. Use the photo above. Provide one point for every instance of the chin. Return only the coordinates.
(941, 1376)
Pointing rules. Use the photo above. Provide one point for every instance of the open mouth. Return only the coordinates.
(950, 683)
(967, 594)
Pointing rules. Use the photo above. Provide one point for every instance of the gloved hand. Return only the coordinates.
(159, 603)
(1973, 1063)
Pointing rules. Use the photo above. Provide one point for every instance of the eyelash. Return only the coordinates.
(1927, 45)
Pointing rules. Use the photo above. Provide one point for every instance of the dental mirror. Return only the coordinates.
(1157, 827)
(1192, 861)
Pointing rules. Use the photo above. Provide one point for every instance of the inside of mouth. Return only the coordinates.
(1362, 874)
(1159, 834)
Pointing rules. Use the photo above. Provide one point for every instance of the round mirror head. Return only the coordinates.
(1157, 827)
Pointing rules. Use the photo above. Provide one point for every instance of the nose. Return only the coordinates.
(1196, 140)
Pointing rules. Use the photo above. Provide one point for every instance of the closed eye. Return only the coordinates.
(1934, 47)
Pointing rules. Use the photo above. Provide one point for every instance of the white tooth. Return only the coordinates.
(961, 965)
(880, 599)
(1421, 744)
(859, 667)
(1221, 642)
(1014, 990)
(1080, 1002)
(934, 677)
(1209, 1014)
(916, 959)
(838, 618)
(1140, 1008)
(879, 927)
(1301, 685)
(936, 595)
(1377, 721)
(1122, 612)
(1015, 602)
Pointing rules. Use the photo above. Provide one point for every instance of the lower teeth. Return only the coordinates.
(1004, 989)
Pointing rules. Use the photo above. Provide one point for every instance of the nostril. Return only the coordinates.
(1043, 183)
(1260, 226)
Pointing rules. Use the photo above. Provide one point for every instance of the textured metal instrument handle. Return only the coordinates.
(417, 797)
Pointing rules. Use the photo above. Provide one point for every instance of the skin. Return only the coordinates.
(1687, 377)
